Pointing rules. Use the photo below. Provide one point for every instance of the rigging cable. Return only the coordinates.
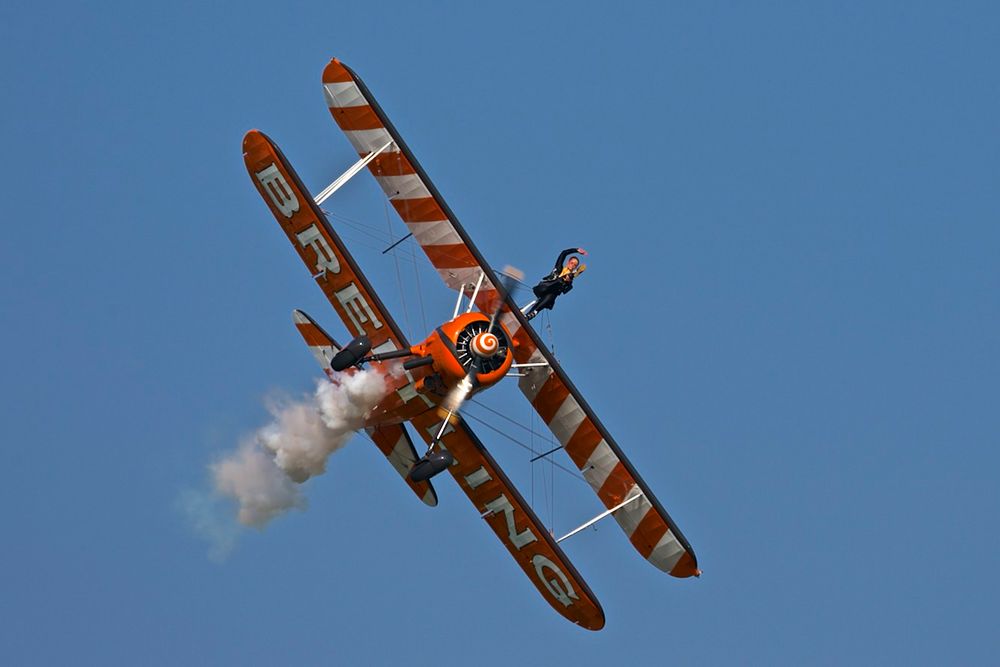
(358, 226)
(522, 445)
(552, 348)
(552, 511)
(548, 491)
(516, 423)
(370, 231)
(420, 292)
(531, 422)
(399, 276)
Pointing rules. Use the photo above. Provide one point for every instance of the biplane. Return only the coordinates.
(428, 381)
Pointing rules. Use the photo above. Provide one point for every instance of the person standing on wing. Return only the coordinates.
(558, 282)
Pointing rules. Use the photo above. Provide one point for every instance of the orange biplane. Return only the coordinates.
(474, 350)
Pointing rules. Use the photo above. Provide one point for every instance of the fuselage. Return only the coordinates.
(460, 350)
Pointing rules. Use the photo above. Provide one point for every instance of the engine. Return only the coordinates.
(465, 347)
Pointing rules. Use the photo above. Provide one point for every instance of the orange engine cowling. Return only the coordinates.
(463, 346)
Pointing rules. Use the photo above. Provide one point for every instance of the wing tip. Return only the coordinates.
(686, 566)
(598, 622)
(336, 72)
(251, 136)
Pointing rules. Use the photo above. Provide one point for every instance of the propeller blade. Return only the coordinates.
(507, 278)
(453, 402)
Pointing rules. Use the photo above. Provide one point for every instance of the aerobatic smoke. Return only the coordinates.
(262, 475)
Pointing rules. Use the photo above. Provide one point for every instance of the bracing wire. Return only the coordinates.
(547, 484)
(378, 236)
(547, 491)
(367, 230)
(552, 510)
(521, 444)
(550, 335)
(531, 439)
(420, 292)
(505, 417)
(374, 233)
(399, 276)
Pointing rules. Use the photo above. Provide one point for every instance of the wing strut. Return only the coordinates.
(458, 303)
(479, 284)
(349, 174)
(600, 516)
(472, 299)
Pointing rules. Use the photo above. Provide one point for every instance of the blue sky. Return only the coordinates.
(790, 322)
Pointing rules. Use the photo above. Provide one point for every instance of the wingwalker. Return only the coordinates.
(486, 337)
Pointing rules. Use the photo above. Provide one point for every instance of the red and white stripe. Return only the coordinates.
(645, 527)
(320, 344)
(407, 192)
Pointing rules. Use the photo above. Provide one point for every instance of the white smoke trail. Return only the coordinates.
(262, 475)
(250, 477)
(210, 521)
(303, 435)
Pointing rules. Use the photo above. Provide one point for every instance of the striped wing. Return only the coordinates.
(404, 181)
(513, 521)
(610, 474)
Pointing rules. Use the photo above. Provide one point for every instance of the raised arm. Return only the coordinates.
(566, 253)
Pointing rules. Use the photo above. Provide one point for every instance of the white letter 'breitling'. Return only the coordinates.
(560, 588)
(278, 190)
(325, 259)
(357, 308)
(501, 504)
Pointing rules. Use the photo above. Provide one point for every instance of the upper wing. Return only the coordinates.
(459, 262)
(511, 518)
(404, 181)
(324, 254)
(612, 477)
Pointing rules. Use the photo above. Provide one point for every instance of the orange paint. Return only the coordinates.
(648, 533)
(419, 209)
(356, 118)
(335, 72)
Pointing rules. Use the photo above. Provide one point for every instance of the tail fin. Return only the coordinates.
(320, 343)
(391, 439)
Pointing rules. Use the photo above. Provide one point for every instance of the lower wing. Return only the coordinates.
(600, 460)
(513, 521)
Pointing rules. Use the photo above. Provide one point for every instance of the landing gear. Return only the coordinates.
(430, 464)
